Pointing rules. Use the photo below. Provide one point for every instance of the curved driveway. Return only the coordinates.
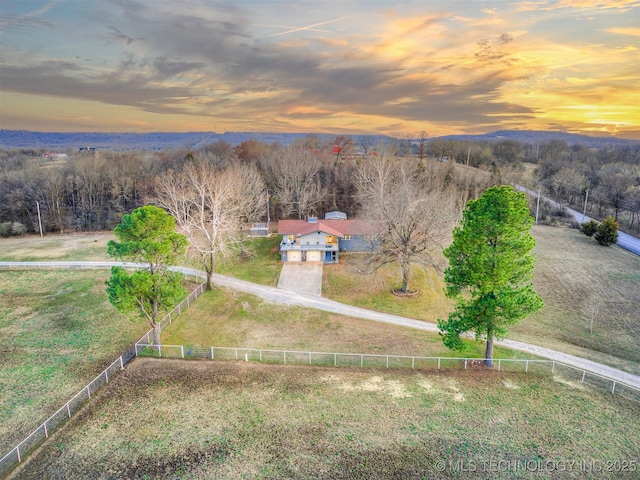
(286, 297)
(292, 298)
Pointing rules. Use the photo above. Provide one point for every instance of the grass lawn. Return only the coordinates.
(79, 247)
(347, 283)
(580, 280)
(57, 332)
(225, 318)
(576, 277)
(202, 419)
(261, 265)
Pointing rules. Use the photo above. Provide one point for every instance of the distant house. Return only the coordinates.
(314, 240)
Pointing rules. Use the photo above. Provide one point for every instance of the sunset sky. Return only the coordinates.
(331, 66)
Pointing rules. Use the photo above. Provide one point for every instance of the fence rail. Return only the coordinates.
(290, 357)
(31, 441)
(296, 357)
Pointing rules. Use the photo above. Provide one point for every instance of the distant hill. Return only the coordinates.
(538, 137)
(133, 141)
(195, 140)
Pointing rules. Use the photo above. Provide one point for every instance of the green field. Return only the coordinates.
(57, 332)
(225, 318)
(201, 419)
(577, 279)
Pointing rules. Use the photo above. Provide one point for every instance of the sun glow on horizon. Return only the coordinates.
(398, 70)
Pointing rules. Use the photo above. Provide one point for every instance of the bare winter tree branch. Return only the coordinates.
(210, 205)
(414, 221)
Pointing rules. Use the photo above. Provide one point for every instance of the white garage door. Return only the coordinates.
(314, 256)
(294, 256)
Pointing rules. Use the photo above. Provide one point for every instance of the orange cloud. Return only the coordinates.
(528, 6)
(632, 31)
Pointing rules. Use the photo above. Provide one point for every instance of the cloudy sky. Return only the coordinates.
(336, 66)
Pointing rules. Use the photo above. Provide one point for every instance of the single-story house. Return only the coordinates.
(314, 240)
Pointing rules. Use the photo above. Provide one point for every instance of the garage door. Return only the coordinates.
(294, 256)
(314, 256)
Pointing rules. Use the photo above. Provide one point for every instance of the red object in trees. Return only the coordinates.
(337, 149)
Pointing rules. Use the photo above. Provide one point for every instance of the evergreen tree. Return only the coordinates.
(607, 233)
(589, 228)
(490, 269)
(147, 236)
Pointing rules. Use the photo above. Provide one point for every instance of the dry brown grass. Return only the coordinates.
(180, 419)
(577, 279)
(78, 246)
(225, 318)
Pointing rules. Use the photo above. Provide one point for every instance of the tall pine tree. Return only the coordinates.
(490, 271)
(147, 235)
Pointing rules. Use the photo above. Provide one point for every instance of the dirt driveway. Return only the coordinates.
(302, 278)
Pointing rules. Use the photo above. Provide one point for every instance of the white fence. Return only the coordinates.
(189, 273)
(20, 451)
(288, 357)
(295, 357)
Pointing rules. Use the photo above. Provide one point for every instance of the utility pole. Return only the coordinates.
(537, 206)
(39, 219)
(586, 196)
(468, 155)
(268, 208)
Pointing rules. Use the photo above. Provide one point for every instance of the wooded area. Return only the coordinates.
(86, 191)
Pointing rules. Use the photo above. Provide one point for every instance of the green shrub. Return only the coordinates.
(5, 229)
(18, 229)
(589, 228)
(9, 229)
(607, 233)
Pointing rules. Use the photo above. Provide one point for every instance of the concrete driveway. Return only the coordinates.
(301, 278)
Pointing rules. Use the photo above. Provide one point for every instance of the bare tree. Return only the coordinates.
(422, 139)
(210, 206)
(52, 198)
(616, 181)
(413, 221)
(293, 177)
(341, 146)
(366, 142)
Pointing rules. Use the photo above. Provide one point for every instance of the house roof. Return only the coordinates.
(339, 228)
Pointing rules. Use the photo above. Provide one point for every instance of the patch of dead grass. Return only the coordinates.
(186, 419)
(76, 246)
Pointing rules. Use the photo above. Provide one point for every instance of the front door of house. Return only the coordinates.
(304, 256)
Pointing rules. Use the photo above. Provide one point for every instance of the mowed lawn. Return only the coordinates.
(578, 279)
(234, 420)
(57, 332)
(226, 318)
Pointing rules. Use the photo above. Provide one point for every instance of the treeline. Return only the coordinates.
(608, 179)
(86, 191)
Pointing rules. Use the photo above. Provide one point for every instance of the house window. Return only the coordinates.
(291, 238)
(330, 240)
(347, 237)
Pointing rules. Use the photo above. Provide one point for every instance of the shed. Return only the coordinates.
(335, 216)
(260, 230)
